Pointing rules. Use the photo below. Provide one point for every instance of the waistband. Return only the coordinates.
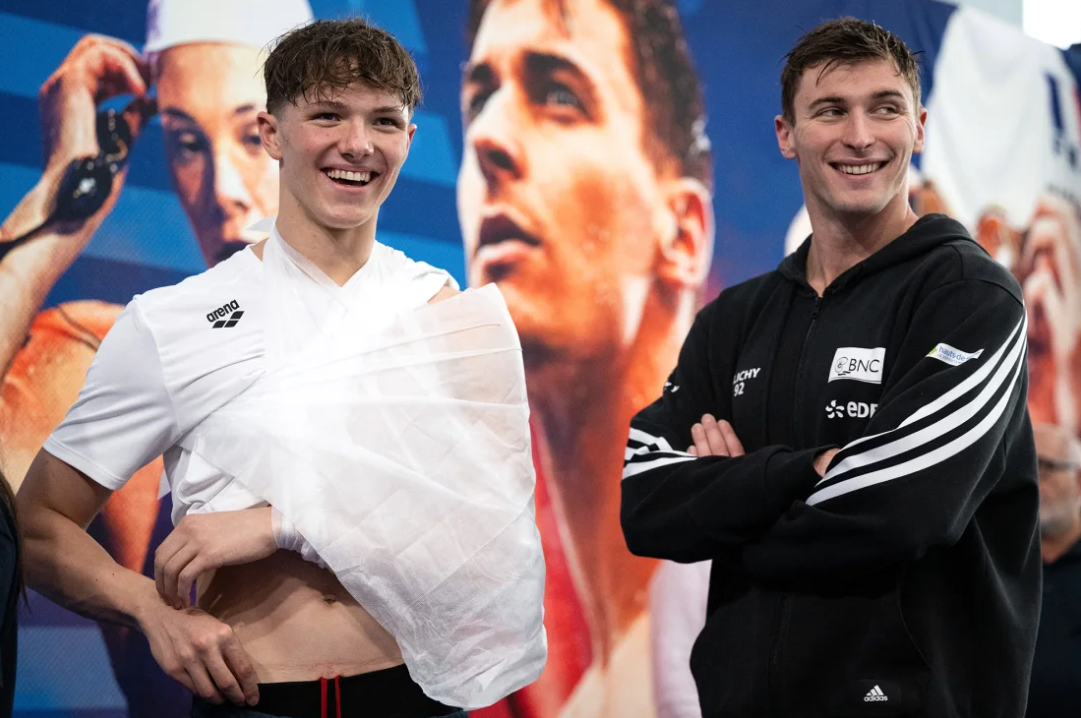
(389, 693)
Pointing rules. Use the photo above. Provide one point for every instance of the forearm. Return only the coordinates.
(701, 508)
(66, 565)
(29, 272)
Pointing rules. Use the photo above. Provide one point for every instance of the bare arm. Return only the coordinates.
(97, 68)
(64, 563)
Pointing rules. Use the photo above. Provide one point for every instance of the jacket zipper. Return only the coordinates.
(784, 608)
(775, 698)
(797, 414)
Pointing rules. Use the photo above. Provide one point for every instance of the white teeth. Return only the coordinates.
(351, 176)
(857, 169)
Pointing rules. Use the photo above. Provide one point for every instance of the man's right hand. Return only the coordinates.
(96, 69)
(200, 652)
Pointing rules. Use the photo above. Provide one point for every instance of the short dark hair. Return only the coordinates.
(674, 121)
(329, 55)
(845, 41)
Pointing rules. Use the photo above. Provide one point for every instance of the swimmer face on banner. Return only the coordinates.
(584, 194)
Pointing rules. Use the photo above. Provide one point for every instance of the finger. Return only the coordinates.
(162, 555)
(178, 673)
(735, 447)
(138, 113)
(717, 444)
(187, 577)
(242, 667)
(698, 434)
(692, 450)
(171, 574)
(120, 75)
(224, 679)
(200, 679)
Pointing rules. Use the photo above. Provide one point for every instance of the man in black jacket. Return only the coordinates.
(847, 439)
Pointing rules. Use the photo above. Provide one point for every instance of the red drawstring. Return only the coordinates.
(323, 698)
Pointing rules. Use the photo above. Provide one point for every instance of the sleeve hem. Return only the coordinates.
(791, 476)
(81, 463)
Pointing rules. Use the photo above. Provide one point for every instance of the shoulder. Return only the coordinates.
(221, 292)
(445, 293)
(740, 302)
(417, 279)
(962, 263)
(241, 272)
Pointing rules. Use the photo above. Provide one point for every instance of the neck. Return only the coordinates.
(584, 408)
(840, 242)
(339, 253)
(1053, 547)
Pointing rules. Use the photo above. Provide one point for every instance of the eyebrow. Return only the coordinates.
(545, 63)
(342, 107)
(838, 100)
(480, 73)
(178, 114)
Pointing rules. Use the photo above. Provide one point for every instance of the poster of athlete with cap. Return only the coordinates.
(199, 74)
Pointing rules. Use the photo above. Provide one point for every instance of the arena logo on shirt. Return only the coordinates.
(858, 364)
(226, 315)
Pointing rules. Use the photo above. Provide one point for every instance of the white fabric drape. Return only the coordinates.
(399, 447)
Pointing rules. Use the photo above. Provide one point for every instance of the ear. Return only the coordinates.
(409, 132)
(921, 127)
(784, 137)
(686, 249)
(269, 134)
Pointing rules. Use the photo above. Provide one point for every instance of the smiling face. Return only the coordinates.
(340, 153)
(853, 133)
(558, 201)
(209, 95)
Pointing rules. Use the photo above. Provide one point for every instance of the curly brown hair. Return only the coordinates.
(845, 41)
(327, 56)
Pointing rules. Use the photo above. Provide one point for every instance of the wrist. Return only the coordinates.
(147, 605)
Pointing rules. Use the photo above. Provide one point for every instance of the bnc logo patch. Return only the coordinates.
(854, 409)
(858, 364)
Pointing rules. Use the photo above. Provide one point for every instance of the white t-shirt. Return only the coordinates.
(176, 354)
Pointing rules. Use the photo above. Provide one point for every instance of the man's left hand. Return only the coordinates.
(204, 542)
(714, 438)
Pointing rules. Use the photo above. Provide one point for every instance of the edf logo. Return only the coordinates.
(854, 409)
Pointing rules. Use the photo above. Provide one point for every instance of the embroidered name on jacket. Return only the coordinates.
(858, 364)
(739, 381)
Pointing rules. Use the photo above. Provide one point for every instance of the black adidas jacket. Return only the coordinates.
(907, 581)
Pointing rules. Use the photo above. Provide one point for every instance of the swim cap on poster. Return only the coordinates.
(244, 22)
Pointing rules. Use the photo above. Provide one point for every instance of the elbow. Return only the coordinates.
(635, 533)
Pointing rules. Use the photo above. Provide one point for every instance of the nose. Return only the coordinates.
(858, 134)
(493, 137)
(230, 193)
(355, 142)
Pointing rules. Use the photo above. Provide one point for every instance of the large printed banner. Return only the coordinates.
(630, 142)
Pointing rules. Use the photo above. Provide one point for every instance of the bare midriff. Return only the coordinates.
(296, 621)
